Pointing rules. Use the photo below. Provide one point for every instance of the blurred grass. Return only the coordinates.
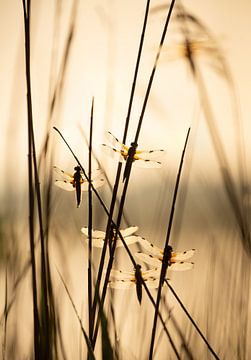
(216, 292)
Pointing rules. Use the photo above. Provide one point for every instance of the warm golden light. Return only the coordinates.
(82, 54)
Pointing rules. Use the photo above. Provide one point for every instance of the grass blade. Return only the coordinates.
(166, 249)
(87, 340)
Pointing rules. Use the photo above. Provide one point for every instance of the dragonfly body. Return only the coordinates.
(176, 260)
(131, 279)
(77, 182)
(140, 157)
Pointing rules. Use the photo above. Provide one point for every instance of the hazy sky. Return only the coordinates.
(101, 64)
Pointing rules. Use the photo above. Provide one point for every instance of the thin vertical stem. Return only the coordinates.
(153, 70)
(26, 12)
(119, 168)
(90, 225)
(164, 262)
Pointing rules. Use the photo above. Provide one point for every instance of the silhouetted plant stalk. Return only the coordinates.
(119, 168)
(36, 334)
(42, 327)
(87, 340)
(90, 226)
(5, 314)
(166, 256)
(192, 321)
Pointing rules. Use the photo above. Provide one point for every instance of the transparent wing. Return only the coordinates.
(149, 259)
(151, 283)
(130, 275)
(151, 153)
(99, 243)
(122, 275)
(96, 183)
(154, 250)
(115, 141)
(63, 184)
(185, 255)
(147, 163)
(129, 231)
(95, 233)
(121, 284)
(113, 152)
(181, 266)
(131, 239)
(66, 176)
(146, 274)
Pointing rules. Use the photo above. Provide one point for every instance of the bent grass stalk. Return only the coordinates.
(192, 321)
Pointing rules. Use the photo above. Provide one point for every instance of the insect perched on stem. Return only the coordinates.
(76, 182)
(131, 279)
(141, 158)
(176, 260)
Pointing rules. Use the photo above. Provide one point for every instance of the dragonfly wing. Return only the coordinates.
(98, 182)
(131, 239)
(147, 163)
(152, 283)
(121, 284)
(185, 255)
(95, 233)
(97, 174)
(149, 154)
(63, 184)
(66, 176)
(147, 274)
(181, 266)
(121, 275)
(129, 231)
(113, 152)
(115, 142)
(99, 243)
(148, 259)
(154, 250)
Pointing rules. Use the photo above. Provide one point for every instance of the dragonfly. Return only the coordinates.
(206, 49)
(98, 237)
(191, 47)
(142, 157)
(177, 260)
(76, 182)
(133, 279)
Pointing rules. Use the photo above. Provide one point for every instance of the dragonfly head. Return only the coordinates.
(168, 254)
(134, 145)
(137, 267)
(77, 168)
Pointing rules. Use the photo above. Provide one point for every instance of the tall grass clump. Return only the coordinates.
(101, 278)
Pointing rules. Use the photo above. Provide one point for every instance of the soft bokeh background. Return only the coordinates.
(102, 54)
